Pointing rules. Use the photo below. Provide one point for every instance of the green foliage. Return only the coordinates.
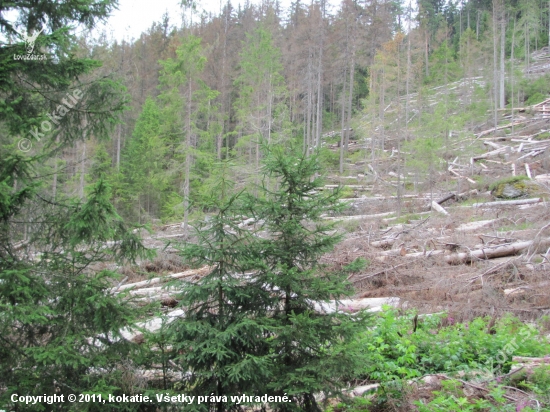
(60, 324)
(535, 90)
(145, 181)
(397, 351)
(357, 265)
(250, 324)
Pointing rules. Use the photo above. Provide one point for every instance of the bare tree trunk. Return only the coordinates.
(319, 99)
(350, 98)
(408, 74)
(343, 117)
(502, 102)
(495, 60)
(309, 109)
(512, 71)
(426, 50)
(187, 162)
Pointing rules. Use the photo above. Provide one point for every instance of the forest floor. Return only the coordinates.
(435, 261)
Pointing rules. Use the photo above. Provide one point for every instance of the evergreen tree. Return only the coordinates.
(143, 165)
(260, 107)
(252, 325)
(186, 110)
(306, 345)
(223, 338)
(59, 328)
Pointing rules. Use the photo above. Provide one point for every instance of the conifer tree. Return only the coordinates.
(59, 324)
(143, 166)
(223, 338)
(186, 107)
(253, 324)
(305, 343)
(260, 107)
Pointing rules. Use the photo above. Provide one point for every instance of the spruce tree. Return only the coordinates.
(59, 322)
(307, 345)
(252, 325)
(222, 338)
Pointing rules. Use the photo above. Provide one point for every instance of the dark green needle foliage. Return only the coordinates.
(309, 346)
(251, 325)
(222, 339)
(59, 322)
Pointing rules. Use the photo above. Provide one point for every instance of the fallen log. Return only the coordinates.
(508, 202)
(528, 364)
(438, 208)
(354, 305)
(505, 149)
(443, 199)
(471, 226)
(384, 243)
(154, 281)
(462, 177)
(493, 252)
(359, 217)
(494, 129)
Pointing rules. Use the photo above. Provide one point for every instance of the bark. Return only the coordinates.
(443, 199)
(508, 202)
(343, 114)
(154, 281)
(502, 73)
(438, 208)
(350, 99)
(491, 253)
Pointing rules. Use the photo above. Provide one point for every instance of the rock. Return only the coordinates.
(511, 192)
(513, 189)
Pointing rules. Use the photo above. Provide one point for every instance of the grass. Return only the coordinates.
(406, 218)
(519, 226)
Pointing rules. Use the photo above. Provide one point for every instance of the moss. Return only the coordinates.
(521, 183)
(543, 136)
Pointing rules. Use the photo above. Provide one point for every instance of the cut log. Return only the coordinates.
(494, 129)
(438, 208)
(462, 177)
(359, 217)
(494, 252)
(502, 150)
(443, 199)
(528, 364)
(466, 194)
(151, 325)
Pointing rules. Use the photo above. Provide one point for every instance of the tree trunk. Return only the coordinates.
(495, 60)
(491, 253)
(350, 98)
(342, 138)
(502, 73)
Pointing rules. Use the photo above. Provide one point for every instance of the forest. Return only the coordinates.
(325, 207)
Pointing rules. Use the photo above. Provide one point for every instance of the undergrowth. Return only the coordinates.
(399, 350)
